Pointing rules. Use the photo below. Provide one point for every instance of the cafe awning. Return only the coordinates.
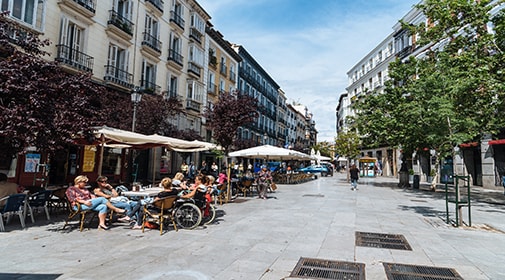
(113, 136)
(367, 159)
(496, 142)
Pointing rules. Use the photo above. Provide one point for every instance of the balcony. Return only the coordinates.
(84, 8)
(120, 26)
(195, 34)
(223, 69)
(193, 105)
(213, 62)
(212, 89)
(177, 20)
(151, 44)
(74, 58)
(233, 76)
(171, 93)
(149, 87)
(194, 69)
(175, 58)
(118, 77)
(156, 6)
(405, 52)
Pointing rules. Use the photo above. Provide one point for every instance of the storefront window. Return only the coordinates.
(111, 161)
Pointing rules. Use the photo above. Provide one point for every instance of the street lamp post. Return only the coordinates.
(136, 97)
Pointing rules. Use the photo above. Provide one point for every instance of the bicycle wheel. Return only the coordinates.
(210, 216)
(188, 216)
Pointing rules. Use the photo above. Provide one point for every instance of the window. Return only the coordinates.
(24, 10)
(123, 8)
(221, 85)
(172, 86)
(117, 62)
(196, 55)
(210, 81)
(195, 91)
(151, 26)
(148, 77)
(197, 23)
(175, 43)
(71, 35)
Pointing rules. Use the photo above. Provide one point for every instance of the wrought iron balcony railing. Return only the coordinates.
(74, 58)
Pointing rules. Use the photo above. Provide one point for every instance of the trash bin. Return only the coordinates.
(416, 181)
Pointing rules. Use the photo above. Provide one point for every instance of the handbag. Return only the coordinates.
(273, 186)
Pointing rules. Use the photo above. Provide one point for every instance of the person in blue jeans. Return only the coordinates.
(78, 193)
(105, 190)
(354, 174)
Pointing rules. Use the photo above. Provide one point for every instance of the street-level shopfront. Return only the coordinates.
(144, 159)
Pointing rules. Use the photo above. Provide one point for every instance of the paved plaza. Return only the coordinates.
(265, 239)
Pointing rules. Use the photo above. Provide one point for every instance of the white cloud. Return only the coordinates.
(310, 59)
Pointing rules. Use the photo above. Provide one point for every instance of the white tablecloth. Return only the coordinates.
(149, 192)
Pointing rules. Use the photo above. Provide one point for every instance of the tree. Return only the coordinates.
(45, 107)
(452, 93)
(42, 106)
(231, 111)
(347, 144)
(325, 148)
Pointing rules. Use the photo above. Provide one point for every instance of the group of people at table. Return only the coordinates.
(104, 197)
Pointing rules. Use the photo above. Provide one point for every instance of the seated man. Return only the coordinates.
(80, 194)
(104, 189)
(6, 188)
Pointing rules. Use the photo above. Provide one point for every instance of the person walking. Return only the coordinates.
(354, 174)
(191, 171)
(263, 179)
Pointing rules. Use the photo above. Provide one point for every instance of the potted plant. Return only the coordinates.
(411, 175)
(431, 175)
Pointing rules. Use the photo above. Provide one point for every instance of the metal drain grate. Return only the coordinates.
(382, 240)
(314, 195)
(395, 271)
(328, 269)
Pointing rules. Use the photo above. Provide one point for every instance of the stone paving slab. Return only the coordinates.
(264, 239)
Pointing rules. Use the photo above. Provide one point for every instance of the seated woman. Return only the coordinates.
(106, 190)
(199, 187)
(79, 194)
(168, 189)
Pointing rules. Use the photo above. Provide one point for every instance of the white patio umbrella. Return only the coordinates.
(270, 153)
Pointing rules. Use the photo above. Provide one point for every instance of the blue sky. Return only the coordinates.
(307, 46)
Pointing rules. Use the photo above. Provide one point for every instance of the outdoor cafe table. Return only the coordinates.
(148, 192)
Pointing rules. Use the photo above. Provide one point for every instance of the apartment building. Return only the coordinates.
(282, 124)
(155, 46)
(222, 70)
(483, 160)
(255, 81)
(366, 77)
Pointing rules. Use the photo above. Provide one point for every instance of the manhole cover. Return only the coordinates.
(382, 240)
(396, 271)
(328, 269)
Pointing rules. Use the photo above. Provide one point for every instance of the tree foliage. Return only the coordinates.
(45, 107)
(347, 144)
(452, 93)
(325, 148)
(41, 105)
(231, 111)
